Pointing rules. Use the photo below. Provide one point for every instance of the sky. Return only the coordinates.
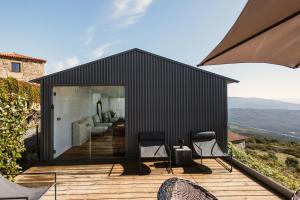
(67, 33)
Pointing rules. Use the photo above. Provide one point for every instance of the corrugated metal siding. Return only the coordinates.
(161, 95)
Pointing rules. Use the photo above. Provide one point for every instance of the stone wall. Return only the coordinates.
(29, 70)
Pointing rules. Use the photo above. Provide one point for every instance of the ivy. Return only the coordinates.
(31, 91)
(16, 99)
(13, 120)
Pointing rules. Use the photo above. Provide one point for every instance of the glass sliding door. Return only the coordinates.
(108, 134)
(89, 122)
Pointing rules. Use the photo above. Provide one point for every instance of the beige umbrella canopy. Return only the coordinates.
(267, 31)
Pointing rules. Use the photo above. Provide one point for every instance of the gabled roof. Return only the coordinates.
(229, 80)
(21, 57)
(235, 137)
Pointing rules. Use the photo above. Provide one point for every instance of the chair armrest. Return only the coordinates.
(169, 149)
(198, 148)
(139, 144)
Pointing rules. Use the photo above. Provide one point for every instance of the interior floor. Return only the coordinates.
(109, 144)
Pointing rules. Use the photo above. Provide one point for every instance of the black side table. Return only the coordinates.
(183, 156)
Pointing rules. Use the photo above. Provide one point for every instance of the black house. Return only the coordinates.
(95, 110)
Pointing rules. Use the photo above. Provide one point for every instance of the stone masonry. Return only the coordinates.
(30, 69)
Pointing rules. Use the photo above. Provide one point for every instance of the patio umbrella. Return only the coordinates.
(267, 31)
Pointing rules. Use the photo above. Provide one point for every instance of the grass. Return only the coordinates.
(269, 158)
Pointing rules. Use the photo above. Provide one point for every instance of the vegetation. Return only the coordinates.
(273, 145)
(13, 86)
(278, 160)
(292, 163)
(16, 99)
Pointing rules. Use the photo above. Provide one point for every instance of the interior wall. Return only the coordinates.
(118, 106)
(112, 98)
(70, 104)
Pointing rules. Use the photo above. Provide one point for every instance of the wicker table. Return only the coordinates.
(183, 156)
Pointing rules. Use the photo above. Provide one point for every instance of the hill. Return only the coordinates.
(258, 103)
(278, 123)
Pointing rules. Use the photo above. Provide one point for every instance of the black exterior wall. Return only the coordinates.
(161, 95)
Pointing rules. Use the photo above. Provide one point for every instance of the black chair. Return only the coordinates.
(205, 145)
(152, 145)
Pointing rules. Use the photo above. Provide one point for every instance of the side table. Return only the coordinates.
(183, 156)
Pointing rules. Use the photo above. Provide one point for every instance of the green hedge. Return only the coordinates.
(13, 115)
(13, 86)
(16, 98)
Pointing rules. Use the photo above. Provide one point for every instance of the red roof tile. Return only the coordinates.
(235, 137)
(21, 57)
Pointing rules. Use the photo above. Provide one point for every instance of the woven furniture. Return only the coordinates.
(205, 145)
(152, 145)
(296, 196)
(180, 189)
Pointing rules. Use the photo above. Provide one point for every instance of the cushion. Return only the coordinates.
(99, 129)
(96, 119)
(152, 136)
(107, 117)
(104, 124)
(203, 136)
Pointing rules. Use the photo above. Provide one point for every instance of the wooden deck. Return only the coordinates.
(121, 181)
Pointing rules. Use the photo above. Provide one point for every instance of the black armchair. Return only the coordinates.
(153, 145)
(205, 145)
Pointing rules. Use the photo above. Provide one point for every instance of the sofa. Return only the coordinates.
(81, 130)
(99, 122)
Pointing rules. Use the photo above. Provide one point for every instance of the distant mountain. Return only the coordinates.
(257, 103)
(267, 122)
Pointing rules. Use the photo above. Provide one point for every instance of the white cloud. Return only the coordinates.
(62, 65)
(89, 35)
(129, 12)
(100, 51)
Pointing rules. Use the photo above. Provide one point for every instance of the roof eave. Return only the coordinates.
(230, 80)
(36, 80)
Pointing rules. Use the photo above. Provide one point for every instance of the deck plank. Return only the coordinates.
(111, 181)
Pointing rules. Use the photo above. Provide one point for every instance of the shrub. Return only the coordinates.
(267, 170)
(13, 115)
(16, 100)
(272, 156)
(292, 162)
(31, 91)
(251, 140)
